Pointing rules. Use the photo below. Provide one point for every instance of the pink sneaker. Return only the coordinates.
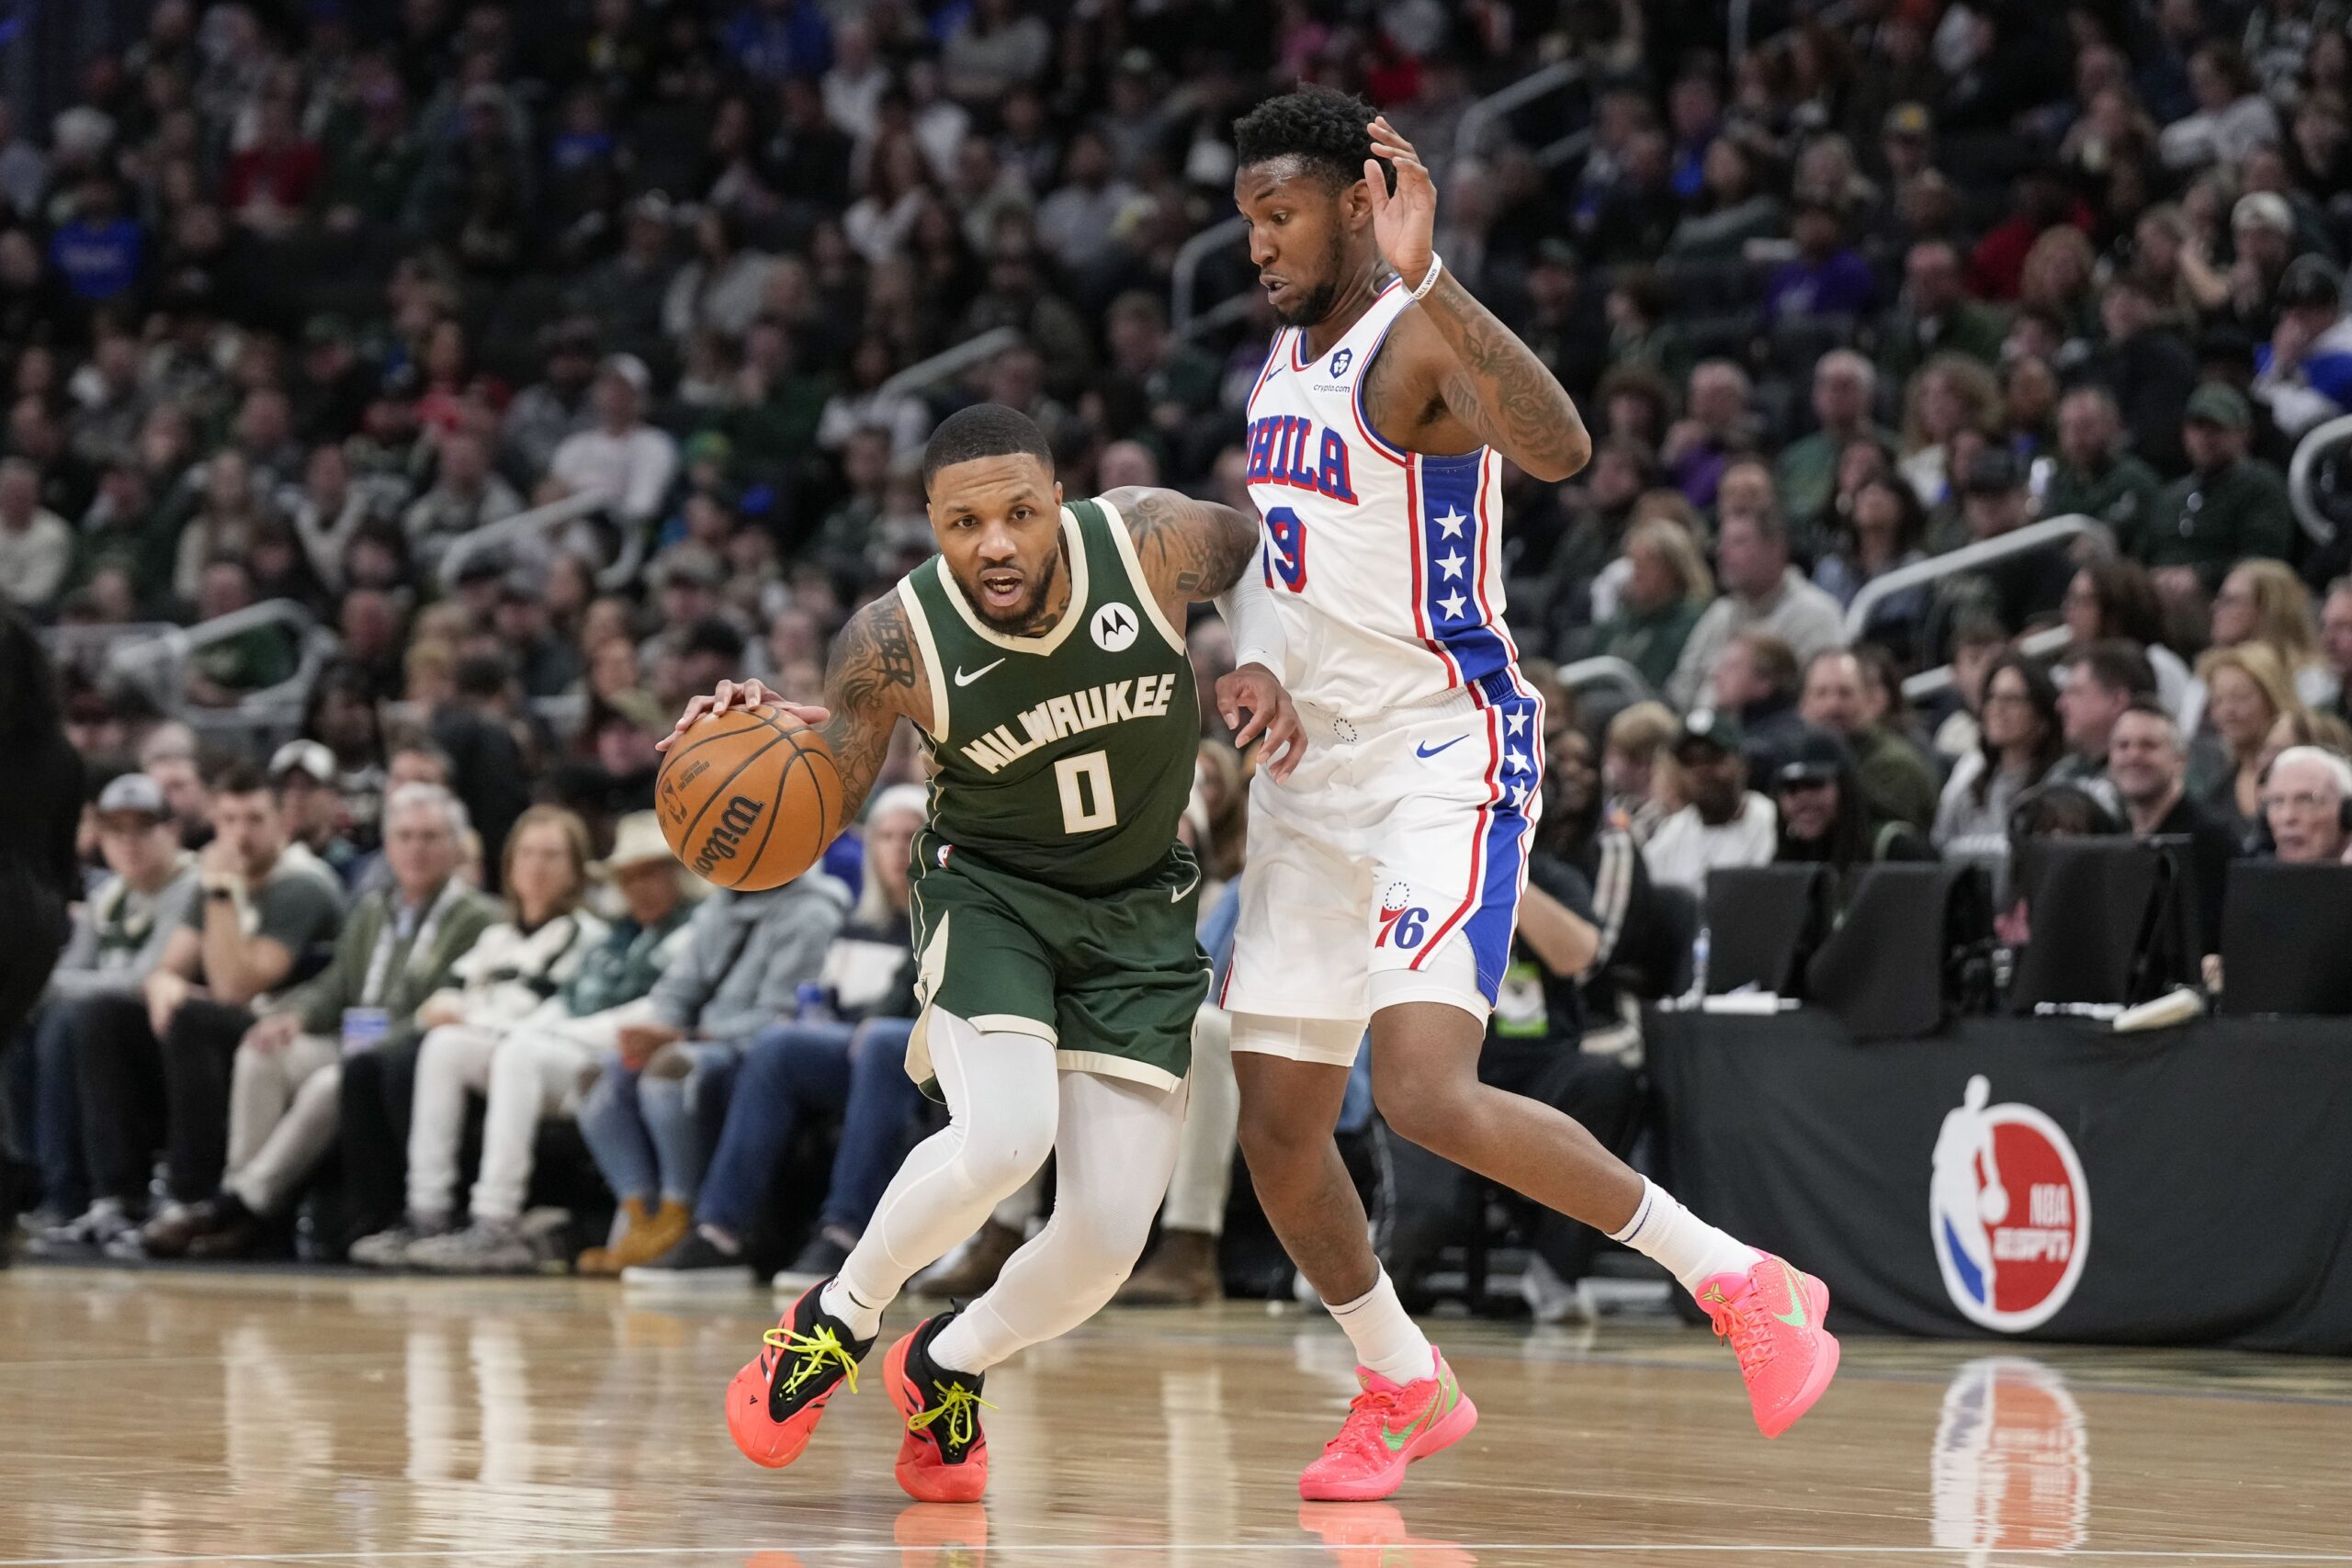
(1388, 1429)
(1773, 1315)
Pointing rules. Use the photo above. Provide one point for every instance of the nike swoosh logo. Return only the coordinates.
(1177, 895)
(1426, 749)
(1795, 1317)
(965, 678)
(1440, 1402)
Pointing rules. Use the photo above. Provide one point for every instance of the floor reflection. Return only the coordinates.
(1373, 1535)
(2011, 1468)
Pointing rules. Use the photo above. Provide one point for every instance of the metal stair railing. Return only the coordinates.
(1936, 681)
(159, 665)
(2301, 480)
(532, 525)
(1606, 675)
(948, 361)
(2033, 536)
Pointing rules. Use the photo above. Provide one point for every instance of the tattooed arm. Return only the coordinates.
(875, 679)
(1194, 550)
(1191, 549)
(1461, 377)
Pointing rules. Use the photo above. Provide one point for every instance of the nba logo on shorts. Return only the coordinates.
(2009, 1211)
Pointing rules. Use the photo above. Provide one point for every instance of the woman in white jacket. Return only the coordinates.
(511, 973)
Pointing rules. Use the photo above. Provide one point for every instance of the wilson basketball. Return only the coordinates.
(749, 799)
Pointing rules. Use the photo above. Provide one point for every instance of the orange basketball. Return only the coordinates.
(749, 799)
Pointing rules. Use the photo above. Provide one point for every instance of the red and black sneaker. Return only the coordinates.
(944, 1456)
(773, 1405)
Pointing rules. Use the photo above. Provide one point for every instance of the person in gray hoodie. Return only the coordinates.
(117, 942)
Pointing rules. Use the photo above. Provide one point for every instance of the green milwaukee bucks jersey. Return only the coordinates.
(1068, 758)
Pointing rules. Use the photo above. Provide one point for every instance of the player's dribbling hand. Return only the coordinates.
(1404, 225)
(739, 697)
(1251, 693)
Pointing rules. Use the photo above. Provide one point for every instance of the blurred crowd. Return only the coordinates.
(300, 303)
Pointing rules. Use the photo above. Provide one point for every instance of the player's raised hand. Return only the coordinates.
(734, 696)
(1403, 226)
(1255, 704)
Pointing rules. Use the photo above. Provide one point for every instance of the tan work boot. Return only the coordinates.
(1183, 1273)
(972, 1274)
(645, 1236)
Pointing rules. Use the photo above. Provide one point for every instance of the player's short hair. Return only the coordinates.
(1323, 128)
(984, 430)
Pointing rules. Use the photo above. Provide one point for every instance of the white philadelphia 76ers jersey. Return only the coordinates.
(1384, 564)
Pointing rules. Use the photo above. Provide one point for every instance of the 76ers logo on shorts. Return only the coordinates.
(2009, 1209)
(1402, 922)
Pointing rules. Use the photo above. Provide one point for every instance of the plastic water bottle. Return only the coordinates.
(1697, 996)
(812, 996)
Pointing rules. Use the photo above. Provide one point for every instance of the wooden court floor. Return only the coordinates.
(154, 1417)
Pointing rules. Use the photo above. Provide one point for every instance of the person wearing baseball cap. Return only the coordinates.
(2228, 507)
(619, 458)
(303, 773)
(1823, 815)
(2262, 230)
(117, 942)
(1724, 823)
(2304, 375)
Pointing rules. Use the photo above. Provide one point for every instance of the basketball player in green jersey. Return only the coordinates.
(1041, 654)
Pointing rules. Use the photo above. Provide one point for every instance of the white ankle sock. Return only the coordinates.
(956, 1347)
(835, 1300)
(1387, 1340)
(1692, 1250)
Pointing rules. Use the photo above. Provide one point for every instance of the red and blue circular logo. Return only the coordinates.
(2009, 1212)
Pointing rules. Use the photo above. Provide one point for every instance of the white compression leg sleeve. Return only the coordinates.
(1115, 1149)
(1002, 1101)
(1204, 1177)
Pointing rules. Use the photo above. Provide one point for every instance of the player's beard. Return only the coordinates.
(1022, 619)
(1319, 300)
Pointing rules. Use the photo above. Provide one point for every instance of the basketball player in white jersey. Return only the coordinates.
(1384, 874)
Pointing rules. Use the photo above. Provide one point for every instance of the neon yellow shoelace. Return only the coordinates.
(960, 1407)
(816, 1351)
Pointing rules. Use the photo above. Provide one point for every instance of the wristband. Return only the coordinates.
(1437, 264)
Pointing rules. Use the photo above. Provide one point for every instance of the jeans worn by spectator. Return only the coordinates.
(139, 1092)
(652, 1131)
(45, 1106)
(855, 1071)
(378, 1094)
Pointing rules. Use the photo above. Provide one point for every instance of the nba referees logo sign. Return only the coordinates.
(1114, 628)
(2009, 1212)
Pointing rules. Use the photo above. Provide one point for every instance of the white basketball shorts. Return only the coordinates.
(1388, 867)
